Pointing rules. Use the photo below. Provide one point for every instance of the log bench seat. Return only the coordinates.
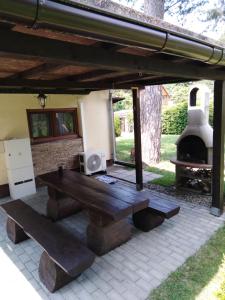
(108, 207)
(64, 257)
(153, 216)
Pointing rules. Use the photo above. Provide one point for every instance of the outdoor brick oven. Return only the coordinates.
(195, 146)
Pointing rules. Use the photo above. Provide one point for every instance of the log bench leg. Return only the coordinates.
(103, 237)
(59, 206)
(15, 232)
(51, 275)
(146, 220)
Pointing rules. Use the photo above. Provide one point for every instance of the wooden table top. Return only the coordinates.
(97, 196)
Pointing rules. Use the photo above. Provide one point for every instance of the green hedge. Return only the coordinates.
(117, 126)
(174, 119)
(211, 114)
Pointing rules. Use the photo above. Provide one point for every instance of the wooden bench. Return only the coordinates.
(108, 207)
(157, 211)
(153, 216)
(64, 257)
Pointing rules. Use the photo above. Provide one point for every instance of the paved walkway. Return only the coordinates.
(130, 174)
(129, 272)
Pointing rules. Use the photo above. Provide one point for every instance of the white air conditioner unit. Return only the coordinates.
(92, 162)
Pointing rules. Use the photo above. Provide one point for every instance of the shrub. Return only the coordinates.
(130, 120)
(117, 126)
(211, 113)
(174, 119)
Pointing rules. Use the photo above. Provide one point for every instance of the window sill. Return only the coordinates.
(52, 139)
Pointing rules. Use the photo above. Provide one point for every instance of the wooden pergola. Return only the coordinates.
(62, 47)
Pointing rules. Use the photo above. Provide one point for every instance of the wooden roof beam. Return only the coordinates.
(136, 77)
(38, 70)
(89, 75)
(45, 91)
(22, 45)
(64, 84)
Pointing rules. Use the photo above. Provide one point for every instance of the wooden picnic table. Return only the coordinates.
(108, 207)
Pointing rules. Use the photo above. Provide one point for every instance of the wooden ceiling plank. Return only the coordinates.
(88, 75)
(22, 45)
(45, 67)
(64, 84)
(45, 91)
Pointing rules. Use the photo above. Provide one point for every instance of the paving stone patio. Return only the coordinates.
(130, 271)
(130, 174)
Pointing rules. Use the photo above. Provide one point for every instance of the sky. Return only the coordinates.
(193, 21)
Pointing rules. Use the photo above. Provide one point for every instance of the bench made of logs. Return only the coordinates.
(108, 208)
(155, 214)
(64, 257)
(157, 211)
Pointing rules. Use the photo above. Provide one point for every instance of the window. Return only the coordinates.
(52, 124)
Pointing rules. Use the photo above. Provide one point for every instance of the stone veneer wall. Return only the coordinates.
(47, 157)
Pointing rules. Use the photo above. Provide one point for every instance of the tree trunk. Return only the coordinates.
(154, 8)
(151, 103)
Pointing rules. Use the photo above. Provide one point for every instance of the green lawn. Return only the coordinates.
(124, 145)
(202, 277)
(168, 150)
(165, 168)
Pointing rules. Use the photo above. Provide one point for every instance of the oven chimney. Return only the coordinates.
(195, 144)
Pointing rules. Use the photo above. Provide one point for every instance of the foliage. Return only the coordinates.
(211, 12)
(216, 15)
(130, 120)
(211, 113)
(167, 179)
(124, 145)
(123, 148)
(178, 8)
(123, 104)
(178, 91)
(117, 126)
(168, 150)
(182, 8)
(174, 119)
(202, 271)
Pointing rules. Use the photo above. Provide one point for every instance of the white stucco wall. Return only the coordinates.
(13, 119)
(96, 122)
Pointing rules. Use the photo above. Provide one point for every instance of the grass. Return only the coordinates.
(165, 168)
(201, 277)
(168, 147)
(124, 145)
(167, 179)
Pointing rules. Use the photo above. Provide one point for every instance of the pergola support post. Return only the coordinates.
(137, 138)
(218, 149)
(111, 125)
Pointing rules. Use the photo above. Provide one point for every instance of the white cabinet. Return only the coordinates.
(19, 166)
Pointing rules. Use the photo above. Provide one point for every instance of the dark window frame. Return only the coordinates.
(53, 126)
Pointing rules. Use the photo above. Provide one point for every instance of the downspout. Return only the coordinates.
(111, 126)
(73, 18)
(83, 125)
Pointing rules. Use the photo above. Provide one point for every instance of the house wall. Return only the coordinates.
(96, 122)
(47, 156)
